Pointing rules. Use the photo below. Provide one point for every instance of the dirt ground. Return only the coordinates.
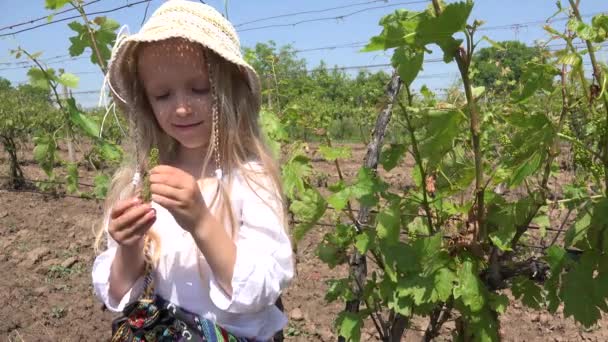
(46, 257)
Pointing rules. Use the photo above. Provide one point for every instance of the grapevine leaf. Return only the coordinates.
(529, 293)
(55, 4)
(68, 80)
(333, 153)
(392, 155)
(364, 241)
(397, 27)
(294, 173)
(408, 64)
(308, 208)
(581, 296)
(349, 326)
(72, 178)
(338, 288)
(102, 183)
(88, 125)
(470, 288)
(536, 77)
(499, 303)
(389, 225)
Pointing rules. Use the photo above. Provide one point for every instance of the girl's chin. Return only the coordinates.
(192, 145)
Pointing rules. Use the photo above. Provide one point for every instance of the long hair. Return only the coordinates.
(239, 139)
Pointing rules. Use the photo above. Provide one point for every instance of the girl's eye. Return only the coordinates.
(162, 97)
(201, 91)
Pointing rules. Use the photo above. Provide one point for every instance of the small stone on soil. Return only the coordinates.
(69, 262)
(296, 314)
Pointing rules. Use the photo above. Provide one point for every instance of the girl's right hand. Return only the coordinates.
(130, 220)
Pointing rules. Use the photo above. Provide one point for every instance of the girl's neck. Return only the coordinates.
(191, 160)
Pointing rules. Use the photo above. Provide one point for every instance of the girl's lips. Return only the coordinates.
(188, 126)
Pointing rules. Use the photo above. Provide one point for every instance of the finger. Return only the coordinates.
(141, 226)
(167, 191)
(129, 217)
(166, 169)
(138, 229)
(166, 202)
(122, 206)
(167, 179)
(137, 236)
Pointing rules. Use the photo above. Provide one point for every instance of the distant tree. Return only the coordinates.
(23, 110)
(501, 69)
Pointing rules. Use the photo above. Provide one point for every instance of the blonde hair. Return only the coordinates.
(240, 142)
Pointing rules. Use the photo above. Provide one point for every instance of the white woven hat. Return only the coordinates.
(193, 21)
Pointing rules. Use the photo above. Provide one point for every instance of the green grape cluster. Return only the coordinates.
(581, 157)
(152, 162)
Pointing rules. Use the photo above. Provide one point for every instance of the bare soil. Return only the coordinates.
(46, 257)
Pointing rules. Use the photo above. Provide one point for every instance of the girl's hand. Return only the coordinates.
(129, 221)
(180, 194)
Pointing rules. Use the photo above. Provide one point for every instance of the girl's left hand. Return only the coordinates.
(179, 193)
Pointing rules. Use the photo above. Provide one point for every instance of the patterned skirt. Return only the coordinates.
(158, 320)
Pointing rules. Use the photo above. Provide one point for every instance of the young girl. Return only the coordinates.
(216, 220)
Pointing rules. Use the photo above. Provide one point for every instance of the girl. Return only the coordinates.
(216, 222)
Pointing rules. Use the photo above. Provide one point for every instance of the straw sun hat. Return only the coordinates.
(193, 21)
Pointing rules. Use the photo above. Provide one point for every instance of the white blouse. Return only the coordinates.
(264, 266)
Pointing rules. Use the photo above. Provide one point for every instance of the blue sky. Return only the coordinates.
(53, 39)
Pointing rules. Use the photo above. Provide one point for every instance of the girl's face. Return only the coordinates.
(176, 81)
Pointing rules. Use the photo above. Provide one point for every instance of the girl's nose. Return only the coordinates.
(183, 109)
(183, 106)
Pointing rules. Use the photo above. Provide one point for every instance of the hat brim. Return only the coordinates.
(122, 64)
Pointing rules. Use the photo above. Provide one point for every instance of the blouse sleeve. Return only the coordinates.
(264, 258)
(101, 278)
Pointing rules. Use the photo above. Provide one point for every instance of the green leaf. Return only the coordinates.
(102, 183)
(333, 153)
(111, 152)
(397, 27)
(528, 292)
(442, 127)
(391, 156)
(580, 292)
(329, 254)
(498, 302)
(72, 178)
(408, 64)
(38, 78)
(77, 47)
(338, 288)
(68, 80)
(536, 77)
(478, 91)
(494, 44)
(527, 168)
(470, 288)
(543, 223)
(88, 125)
(428, 289)
(55, 4)
(578, 230)
(44, 154)
(349, 326)
(569, 58)
(440, 29)
(309, 208)
(506, 217)
(389, 224)
(339, 200)
(273, 131)
(556, 258)
(363, 241)
(294, 173)
(597, 233)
